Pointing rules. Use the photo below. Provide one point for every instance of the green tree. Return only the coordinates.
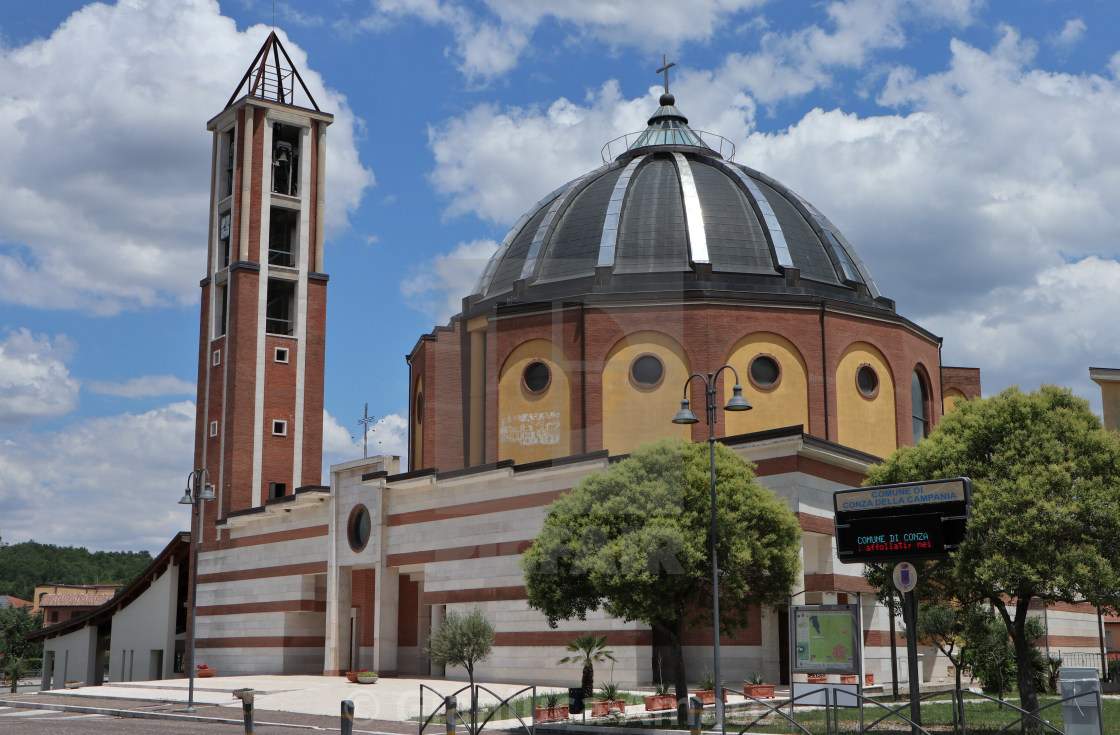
(26, 564)
(462, 640)
(15, 649)
(1045, 509)
(635, 541)
(588, 649)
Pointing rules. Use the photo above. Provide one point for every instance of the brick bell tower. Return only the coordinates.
(259, 425)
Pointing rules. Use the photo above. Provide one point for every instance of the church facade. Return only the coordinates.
(574, 348)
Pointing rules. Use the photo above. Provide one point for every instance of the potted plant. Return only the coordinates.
(352, 677)
(817, 678)
(552, 709)
(661, 699)
(869, 679)
(202, 671)
(756, 687)
(707, 691)
(365, 676)
(607, 700)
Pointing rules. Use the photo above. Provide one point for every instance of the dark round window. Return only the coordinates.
(867, 380)
(358, 528)
(765, 372)
(536, 377)
(647, 371)
(418, 411)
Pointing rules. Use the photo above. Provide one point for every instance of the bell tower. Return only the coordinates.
(259, 422)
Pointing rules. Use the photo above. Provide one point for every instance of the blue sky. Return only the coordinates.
(969, 151)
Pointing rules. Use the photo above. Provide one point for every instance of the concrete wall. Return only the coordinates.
(74, 658)
(143, 633)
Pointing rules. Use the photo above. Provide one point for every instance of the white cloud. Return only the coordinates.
(481, 155)
(69, 487)
(439, 287)
(388, 435)
(106, 165)
(143, 386)
(1050, 331)
(34, 380)
(490, 41)
(1070, 35)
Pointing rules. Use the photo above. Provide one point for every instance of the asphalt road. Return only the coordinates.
(25, 721)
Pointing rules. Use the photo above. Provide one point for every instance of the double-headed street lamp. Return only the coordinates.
(198, 490)
(686, 416)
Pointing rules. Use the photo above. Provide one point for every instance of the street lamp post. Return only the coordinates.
(686, 416)
(198, 490)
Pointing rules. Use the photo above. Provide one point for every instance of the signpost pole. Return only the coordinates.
(910, 617)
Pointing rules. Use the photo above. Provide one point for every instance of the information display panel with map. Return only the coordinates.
(824, 639)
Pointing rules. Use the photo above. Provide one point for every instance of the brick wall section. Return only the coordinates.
(417, 459)
(240, 397)
(966, 380)
(443, 388)
(701, 635)
(362, 588)
(257, 185)
(702, 331)
(408, 611)
(314, 380)
(279, 405)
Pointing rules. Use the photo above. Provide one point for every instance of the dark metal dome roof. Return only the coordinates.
(672, 214)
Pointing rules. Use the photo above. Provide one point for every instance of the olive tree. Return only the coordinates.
(635, 540)
(1045, 507)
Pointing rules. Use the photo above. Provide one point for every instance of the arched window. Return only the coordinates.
(919, 400)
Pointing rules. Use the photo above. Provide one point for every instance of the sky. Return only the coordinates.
(969, 150)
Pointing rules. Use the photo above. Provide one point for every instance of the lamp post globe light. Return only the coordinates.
(198, 490)
(686, 416)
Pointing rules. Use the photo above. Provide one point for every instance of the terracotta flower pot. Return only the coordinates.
(206, 673)
(352, 677)
(602, 707)
(759, 691)
(657, 702)
(551, 714)
(708, 696)
(818, 678)
(868, 680)
(848, 678)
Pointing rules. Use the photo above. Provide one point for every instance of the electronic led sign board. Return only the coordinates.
(907, 521)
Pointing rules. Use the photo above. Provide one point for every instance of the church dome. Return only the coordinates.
(673, 212)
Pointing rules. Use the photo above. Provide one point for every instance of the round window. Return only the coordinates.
(647, 371)
(867, 380)
(358, 528)
(418, 411)
(765, 372)
(536, 377)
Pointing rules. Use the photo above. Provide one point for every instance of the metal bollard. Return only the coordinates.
(347, 717)
(695, 711)
(247, 710)
(246, 697)
(450, 712)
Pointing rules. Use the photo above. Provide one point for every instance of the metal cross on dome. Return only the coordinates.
(666, 66)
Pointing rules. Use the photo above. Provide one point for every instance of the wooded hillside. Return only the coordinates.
(24, 565)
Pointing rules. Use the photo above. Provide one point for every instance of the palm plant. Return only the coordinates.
(588, 649)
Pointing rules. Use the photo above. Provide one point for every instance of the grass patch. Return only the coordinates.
(982, 717)
(522, 706)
